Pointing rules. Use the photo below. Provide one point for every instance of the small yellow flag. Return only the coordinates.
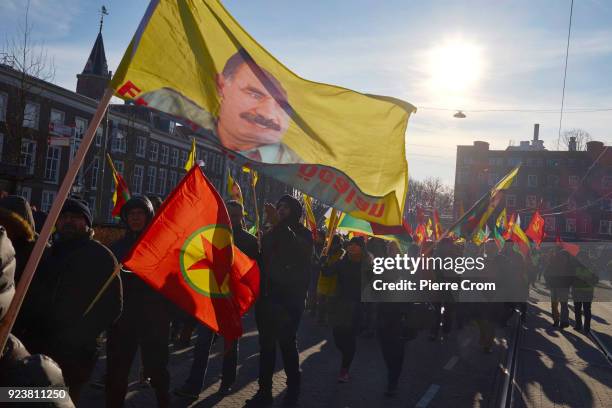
(192, 156)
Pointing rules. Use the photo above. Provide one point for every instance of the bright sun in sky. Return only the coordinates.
(454, 67)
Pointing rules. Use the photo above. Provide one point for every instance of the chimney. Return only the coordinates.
(536, 133)
(572, 144)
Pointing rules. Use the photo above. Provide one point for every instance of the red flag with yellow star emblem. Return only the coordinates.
(187, 254)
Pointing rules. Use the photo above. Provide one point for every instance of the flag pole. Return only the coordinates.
(103, 288)
(26, 278)
(257, 220)
(111, 164)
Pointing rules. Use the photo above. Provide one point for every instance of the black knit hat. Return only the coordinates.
(294, 205)
(74, 205)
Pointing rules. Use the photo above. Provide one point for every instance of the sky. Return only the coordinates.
(440, 56)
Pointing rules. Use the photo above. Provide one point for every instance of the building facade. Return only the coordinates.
(572, 189)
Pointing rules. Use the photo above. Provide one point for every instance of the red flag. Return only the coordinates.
(572, 249)
(379, 229)
(187, 254)
(535, 230)
(420, 234)
(511, 222)
(420, 217)
(437, 225)
(121, 195)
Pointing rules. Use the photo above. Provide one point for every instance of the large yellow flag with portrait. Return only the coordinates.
(191, 60)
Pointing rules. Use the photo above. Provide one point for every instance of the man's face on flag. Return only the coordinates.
(249, 117)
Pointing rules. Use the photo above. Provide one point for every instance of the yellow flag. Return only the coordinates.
(234, 189)
(192, 156)
(193, 61)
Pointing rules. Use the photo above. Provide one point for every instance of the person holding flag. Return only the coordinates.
(192, 387)
(145, 321)
(63, 323)
(286, 259)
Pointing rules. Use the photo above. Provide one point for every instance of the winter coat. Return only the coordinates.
(286, 257)
(66, 282)
(247, 243)
(21, 234)
(328, 279)
(560, 271)
(346, 304)
(584, 280)
(18, 368)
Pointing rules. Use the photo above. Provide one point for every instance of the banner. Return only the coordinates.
(194, 62)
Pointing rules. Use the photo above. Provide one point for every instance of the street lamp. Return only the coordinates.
(459, 115)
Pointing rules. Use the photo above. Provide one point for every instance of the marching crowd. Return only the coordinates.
(56, 338)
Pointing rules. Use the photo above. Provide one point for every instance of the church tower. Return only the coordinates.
(95, 76)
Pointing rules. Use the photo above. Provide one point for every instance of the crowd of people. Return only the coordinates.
(56, 338)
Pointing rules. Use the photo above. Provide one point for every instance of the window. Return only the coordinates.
(3, 105)
(606, 182)
(52, 163)
(573, 181)
(531, 201)
(605, 227)
(137, 177)
(99, 136)
(95, 168)
(153, 153)
(532, 180)
(31, 115)
(553, 181)
(141, 146)
(80, 127)
(152, 173)
(171, 127)
(28, 155)
(47, 200)
(119, 143)
(92, 205)
(510, 200)
(119, 166)
(56, 117)
(184, 155)
(25, 192)
(174, 158)
(165, 152)
(570, 225)
(549, 224)
(161, 182)
(492, 179)
(606, 204)
(584, 225)
(173, 179)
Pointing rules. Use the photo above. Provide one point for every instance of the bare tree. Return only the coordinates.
(581, 135)
(30, 59)
(429, 194)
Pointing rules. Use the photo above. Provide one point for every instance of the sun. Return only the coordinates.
(454, 66)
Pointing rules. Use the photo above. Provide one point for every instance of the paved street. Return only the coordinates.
(554, 369)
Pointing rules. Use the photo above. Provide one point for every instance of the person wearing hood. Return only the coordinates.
(18, 368)
(16, 217)
(351, 271)
(71, 273)
(286, 265)
(145, 320)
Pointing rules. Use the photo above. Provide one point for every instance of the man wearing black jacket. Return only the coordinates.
(72, 272)
(145, 321)
(286, 259)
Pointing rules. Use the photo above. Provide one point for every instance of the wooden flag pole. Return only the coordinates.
(101, 291)
(24, 283)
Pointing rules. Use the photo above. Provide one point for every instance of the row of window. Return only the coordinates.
(515, 161)
(491, 179)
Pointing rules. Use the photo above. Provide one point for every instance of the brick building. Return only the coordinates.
(49, 121)
(574, 188)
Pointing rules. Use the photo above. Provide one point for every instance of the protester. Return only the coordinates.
(16, 217)
(445, 310)
(326, 285)
(583, 288)
(558, 275)
(286, 256)
(192, 387)
(71, 273)
(18, 368)
(145, 320)
(354, 267)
